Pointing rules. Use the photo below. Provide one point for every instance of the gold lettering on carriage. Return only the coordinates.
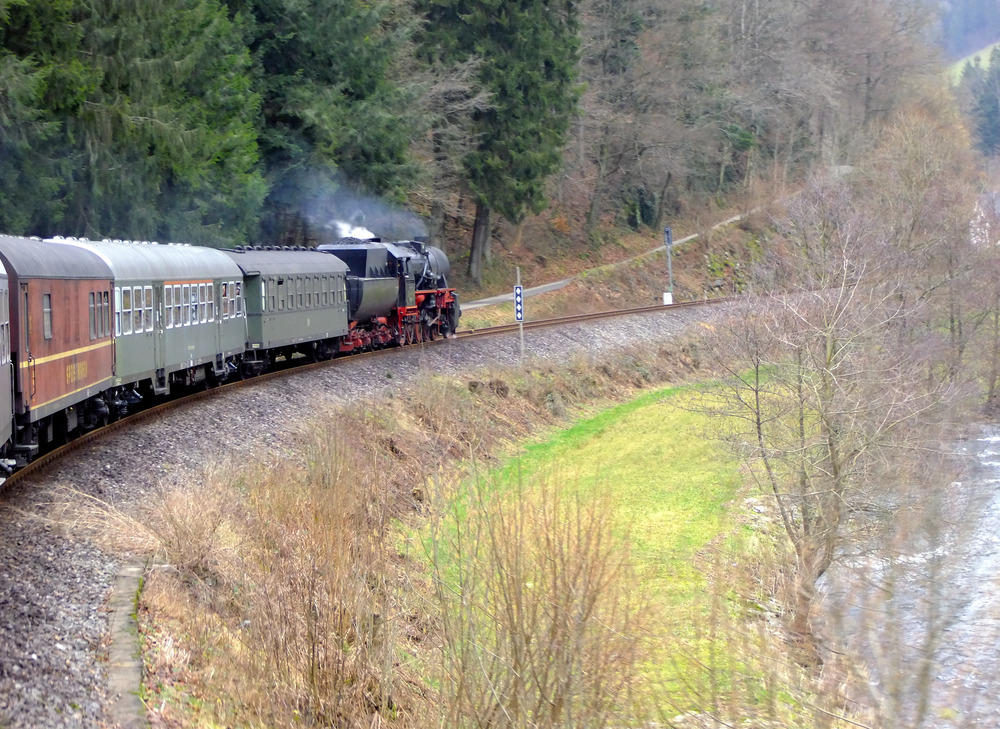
(76, 371)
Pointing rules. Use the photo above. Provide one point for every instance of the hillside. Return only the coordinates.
(263, 121)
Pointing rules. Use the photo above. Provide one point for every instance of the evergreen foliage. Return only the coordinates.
(982, 87)
(330, 111)
(527, 53)
(228, 121)
(530, 55)
(148, 115)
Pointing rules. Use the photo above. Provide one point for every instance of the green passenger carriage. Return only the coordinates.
(179, 316)
(296, 303)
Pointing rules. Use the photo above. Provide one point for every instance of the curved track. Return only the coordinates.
(42, 462)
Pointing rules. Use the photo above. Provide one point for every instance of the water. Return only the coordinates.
(923, 611)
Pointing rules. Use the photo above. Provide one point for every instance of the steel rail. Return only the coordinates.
(52, 457)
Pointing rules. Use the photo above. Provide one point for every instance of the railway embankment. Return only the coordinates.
(60, 555)
(225, 494)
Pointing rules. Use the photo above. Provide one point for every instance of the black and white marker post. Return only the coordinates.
(668, 243)
(519, 310)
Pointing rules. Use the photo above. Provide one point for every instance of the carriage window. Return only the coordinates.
(202, 303)
(271, 292)
(195, 312)
(137, 309)
(234, 295)
(118, 311)
(107, 314)
(177, 305)
(225, 300)
(309, 293)
(147, 310)
(47, 315)
(168, 301)
(126, 311)
(99, 329)
(210, 301)
(93, 317)
(298, 291)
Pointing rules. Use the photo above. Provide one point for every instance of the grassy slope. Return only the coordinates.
(672, 492)
(670, 487)
(708, 267)
(955, 69)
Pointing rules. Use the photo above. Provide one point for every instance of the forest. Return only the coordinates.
(222, 122)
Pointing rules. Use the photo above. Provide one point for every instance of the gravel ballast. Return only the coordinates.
(55, 588)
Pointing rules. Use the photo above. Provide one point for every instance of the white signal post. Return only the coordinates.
(668, 243)
(519, 310)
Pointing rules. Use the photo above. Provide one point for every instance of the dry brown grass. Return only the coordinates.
(541, 621)
(280, 588)
(718, 265)
(281, 595)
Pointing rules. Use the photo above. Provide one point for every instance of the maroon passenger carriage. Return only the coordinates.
(7, 463)
(61, 348)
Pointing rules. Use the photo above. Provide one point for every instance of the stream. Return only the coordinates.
(924, 613)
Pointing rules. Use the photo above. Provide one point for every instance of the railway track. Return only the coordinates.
(48, 459)
(577, 318)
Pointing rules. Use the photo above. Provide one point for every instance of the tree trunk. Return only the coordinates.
(597, 196)
(480, 237)
(487, 238)
(519, 233)
(661, 207)
(435, 232)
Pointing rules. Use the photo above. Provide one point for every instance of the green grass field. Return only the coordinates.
(698, 554)
(955, 69)
(669, 491)
(669, 487)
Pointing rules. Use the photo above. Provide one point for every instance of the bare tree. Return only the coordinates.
(448, 99)
(825, 385)
(538, 622)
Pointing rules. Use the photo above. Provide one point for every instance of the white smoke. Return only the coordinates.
(349, 230)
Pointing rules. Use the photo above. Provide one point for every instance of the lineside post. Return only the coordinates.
(668, 243)
(519, 310)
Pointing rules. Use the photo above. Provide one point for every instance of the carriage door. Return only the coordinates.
(163, 312)
(27, 377)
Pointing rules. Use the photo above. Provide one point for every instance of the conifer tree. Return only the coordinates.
(527, 53)
(330, 113)
(148, 115)
(982, 87)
